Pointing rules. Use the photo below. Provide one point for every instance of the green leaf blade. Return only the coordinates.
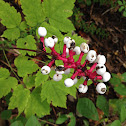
(33, 12)
(11, 33)
(87, 108)
(39, 108)
(8, 14)
(19, 99)
(6, 85)
(25, 66)
(103, 104)
(55, 90)
(32, 121)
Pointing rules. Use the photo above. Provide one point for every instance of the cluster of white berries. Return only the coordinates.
(92, 57)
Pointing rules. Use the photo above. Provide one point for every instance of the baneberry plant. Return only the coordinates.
(29, 90)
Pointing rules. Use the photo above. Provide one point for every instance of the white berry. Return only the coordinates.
(91, 56)
(100, 69)
(101, 88)
(66, 39)
(55, 39)
(101, 59)
(77, 50)
(84, 47)
(42, 31)
(45, 70)
(60, 69)
(69, 82)
(106, 76)
(71, 44)
(57, 77)
(49, 42)
(75, 80)
(83, 88)
(67, 71)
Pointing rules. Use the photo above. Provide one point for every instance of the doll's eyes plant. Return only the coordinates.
(96, 72)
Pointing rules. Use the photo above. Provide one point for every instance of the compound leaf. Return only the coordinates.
(6, 83)
(33, 12)
(19, 98)
(40, 78)
(11, 33)
(39, 108)
(25, 66)
(27, 43)
(56, 93)
(57, 12)
(86, 108)
(8, 14)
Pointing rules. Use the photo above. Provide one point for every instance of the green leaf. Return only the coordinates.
(115, 80)
(89, 82)
(116, 123)
(57, 12)
(59, 62)
(4, 73)
(121, 8)
(124, 77)
(8, 14)
(11, 33)
(56, 91)
(61, 119)
(120, 2)
(25, 66)
(86, 108)
(103, 104)
(27, 43)
(124, 13)
(17, 123)
(6, 114)
(72, 119)
(39, 108)
(123, 113)
(29, 81)
(121, 89)
(23, 26)
(33, 12)
(19, 99)
(6, 85)
(51, 74)
(40, 78)
(32, 121)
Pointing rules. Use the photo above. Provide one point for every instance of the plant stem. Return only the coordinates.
(10, 65)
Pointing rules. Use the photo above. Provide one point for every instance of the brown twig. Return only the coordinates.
(7, 65)
(48, 122)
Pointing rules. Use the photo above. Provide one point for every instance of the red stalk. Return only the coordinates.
(80, 58)
(42, 40)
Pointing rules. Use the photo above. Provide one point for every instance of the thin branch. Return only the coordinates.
(48, 122)
(26, 50)
(7, 65)
(10, 65)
